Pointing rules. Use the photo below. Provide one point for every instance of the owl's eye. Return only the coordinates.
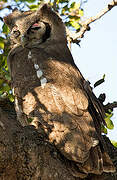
(35, 27)
(16, 33)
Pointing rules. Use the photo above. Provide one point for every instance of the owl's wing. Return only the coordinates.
(75, 124)
(74, 131)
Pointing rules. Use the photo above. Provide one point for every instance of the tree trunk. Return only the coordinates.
(26, 154)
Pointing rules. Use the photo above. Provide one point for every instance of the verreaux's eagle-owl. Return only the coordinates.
(50, 89)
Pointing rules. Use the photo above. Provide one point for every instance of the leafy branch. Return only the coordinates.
(85, 25)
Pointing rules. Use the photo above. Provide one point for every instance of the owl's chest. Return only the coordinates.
(38, 68)
(49, 75)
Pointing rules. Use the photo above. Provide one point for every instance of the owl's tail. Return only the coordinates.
(97, 163)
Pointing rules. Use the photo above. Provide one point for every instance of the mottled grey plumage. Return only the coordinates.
(50, 89)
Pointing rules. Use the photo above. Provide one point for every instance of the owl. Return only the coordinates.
(50, 89)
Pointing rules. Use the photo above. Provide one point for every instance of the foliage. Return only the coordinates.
(109, 123)
(5, 90)
(114, 143)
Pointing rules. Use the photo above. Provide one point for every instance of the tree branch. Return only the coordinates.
(110, 106)
(85, 25)
(27, 154)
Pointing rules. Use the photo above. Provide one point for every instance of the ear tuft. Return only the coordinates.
(44, 8)
(10, 19)
(15, 10)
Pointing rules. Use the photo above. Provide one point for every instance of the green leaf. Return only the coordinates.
(100, 81)
(75, 24)
(65, 8)
(63, 1)
(81, 12)
(74, 18)
(108, 120)
(7, 76)
(104, 76)
(109, 123)
(5, 29)
(5, 87)
(11, 97)
(29, 1)
(109, 115)
(1, 38)
(1, 82)
(33, 7)
(1, 44)
(114, 143)
(104, 129)
(74, 6)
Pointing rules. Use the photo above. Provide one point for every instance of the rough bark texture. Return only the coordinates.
(26, 154)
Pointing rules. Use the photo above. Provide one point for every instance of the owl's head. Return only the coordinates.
(35, 27)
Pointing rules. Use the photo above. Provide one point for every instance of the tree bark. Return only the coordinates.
(26, 154)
